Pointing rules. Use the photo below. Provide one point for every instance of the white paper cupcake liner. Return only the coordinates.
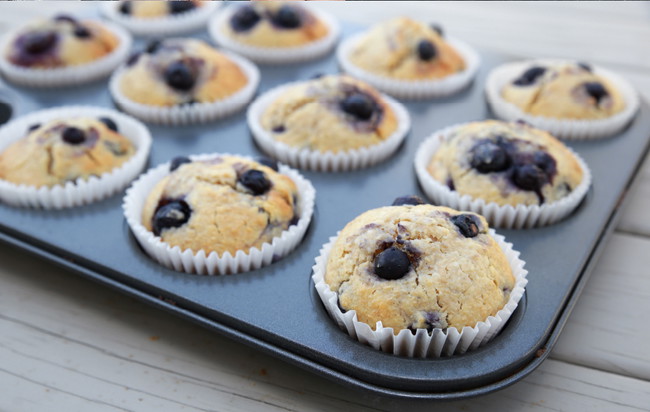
(421, 345)
(81, 191)
(324, 161)
(413, 89)
(175, 24)
(66, 76)
(194, 113)
(278, 55)
(562, 128)
(502, 216)
(199, 262)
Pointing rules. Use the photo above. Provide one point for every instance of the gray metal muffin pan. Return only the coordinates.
(276, 309)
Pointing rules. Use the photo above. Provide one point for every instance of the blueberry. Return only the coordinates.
(434, 320)
(316, 76)
(255, 181)
(177, 162)
(268, 162)
(279, 129)
(244, 19)
(545, 162)
(73, 135)
(438, 29)
(172, 214)
(522, 122)
(39, 42)
(66, 18)
(529, 177)
(5, 112)
(125, 7)
(133, 58)
(109, 123)
(584, 66)
(596, 90)
(176, 7)
(82, 32)
(467, 224)
(33, 127)
(408, 200)
(426, 50)
(179, 76)
(529, 76)
(489, 157)
(392, 264)
(359, 105)
(153, 46)
(287, 17)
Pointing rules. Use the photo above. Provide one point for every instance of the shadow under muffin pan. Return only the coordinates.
(275, 309)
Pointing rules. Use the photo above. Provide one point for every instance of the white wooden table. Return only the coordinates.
(68, 344)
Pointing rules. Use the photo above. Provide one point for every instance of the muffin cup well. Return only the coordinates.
(194, 113)
(278, 55)
(502, 216)
(325, 161)
(562, 128)
(200, 262)
(174, 24)
(421, 345)
(81, 191)
(413, 89)
(66, 76)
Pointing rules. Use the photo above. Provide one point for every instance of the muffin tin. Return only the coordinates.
(276, 308)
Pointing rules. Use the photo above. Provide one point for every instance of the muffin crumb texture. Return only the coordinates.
(419, 267)
(406, 49)
(506, 163)
(61, 151)
(225, 204)
(330, 113)
(564, 91)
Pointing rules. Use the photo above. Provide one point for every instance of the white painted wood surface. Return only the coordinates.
(69, 344)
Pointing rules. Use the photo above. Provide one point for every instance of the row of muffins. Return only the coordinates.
(423, 319)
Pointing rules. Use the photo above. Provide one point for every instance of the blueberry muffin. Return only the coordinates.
(60, 42)
(405, 49)
(274, 24)
(220, 205)
(506, 163)
(564, 91)
(330, 114)
(419, 267)
(154, 9)
(180, 71)
(61, 151)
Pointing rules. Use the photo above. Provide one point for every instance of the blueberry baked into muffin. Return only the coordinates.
(180, 71)
(419, 267)
(154, 9)
(60, 151)
(563, 91)
(406, 49)
(224, 204)
(274, 25)
(61, 41)
(329, 114)
(506, 163)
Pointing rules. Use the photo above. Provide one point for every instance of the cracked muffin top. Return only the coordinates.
(224, 204)
(180, 71)
(419, 267)
(564, 91)
(406, 49)
(506, 163)
(153, 9)
(330, 113)
(61, 151)
(274, 24)
(59, 42)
